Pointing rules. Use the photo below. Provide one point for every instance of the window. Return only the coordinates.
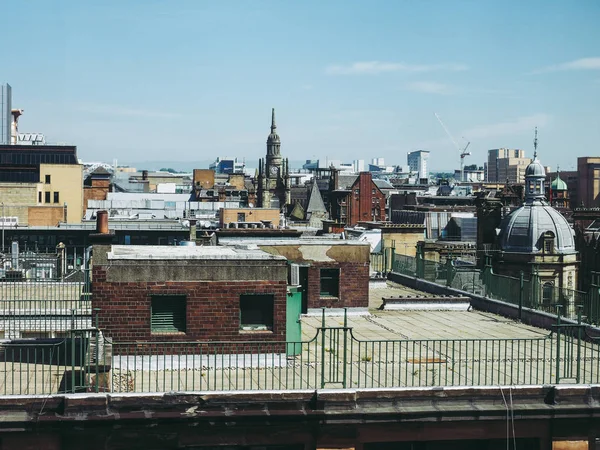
(47, 197)
(547, 293)
(256, 311)
(40, 197)
(241, 217)
(47, 179)
(548, 242)
(168, 314)
(330, 282)
(56, 197)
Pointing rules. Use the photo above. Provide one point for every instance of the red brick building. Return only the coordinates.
(360, 201)
(331, 273)
(185, 294)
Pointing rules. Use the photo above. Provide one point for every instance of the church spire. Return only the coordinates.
(273, 126)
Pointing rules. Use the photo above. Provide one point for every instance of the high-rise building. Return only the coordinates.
(506, 164)
(417, 161)
(5, 113)
(588, 189)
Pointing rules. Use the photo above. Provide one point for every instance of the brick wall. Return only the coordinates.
(353, 288)
(97, 191)
(212, 309)
(46, 215)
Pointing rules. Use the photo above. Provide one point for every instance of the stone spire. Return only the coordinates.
(273, 126)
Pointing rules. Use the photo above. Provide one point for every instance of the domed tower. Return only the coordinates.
(273, 173)
(537, 240)
(559, 192)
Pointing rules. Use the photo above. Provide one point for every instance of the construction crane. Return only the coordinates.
(461, 151)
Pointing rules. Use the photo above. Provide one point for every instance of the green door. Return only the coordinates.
(293, 331)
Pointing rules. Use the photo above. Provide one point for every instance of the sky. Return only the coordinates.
(190, 80)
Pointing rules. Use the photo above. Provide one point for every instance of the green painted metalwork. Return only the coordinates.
(293, 326)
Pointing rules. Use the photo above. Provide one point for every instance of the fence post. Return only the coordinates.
(594, 299)
(579, 312)
(97, 332)
(73, 337)
(323, 348)
(449, 271)
(345, 346)
(558, 343)
(521, 293)
(420, 263)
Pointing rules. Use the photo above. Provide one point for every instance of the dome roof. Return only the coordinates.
(522, 230)
(273, 138)
(559, 185)
(535, 169)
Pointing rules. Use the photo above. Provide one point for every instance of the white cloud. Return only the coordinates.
(578, 64)
(377, 67)
(518, 125)
(429, 87)
(493, 131)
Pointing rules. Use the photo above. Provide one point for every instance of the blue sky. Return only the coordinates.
(190, 80)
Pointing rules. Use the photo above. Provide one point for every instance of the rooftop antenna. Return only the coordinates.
(535, 141)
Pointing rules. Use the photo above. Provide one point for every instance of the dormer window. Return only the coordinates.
(548, 242)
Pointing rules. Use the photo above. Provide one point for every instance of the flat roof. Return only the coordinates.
(166, 252)
(292, 241)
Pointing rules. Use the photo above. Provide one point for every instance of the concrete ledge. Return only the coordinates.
(418, 303)
(336, 312)
(412, 405)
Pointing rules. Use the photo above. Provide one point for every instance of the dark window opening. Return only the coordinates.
(56, 197)
(256, 311)
(168, 314)
(40, 197)
(547, 293)
(330, 282)
(47, 179)
(241, 217)
(46, 197)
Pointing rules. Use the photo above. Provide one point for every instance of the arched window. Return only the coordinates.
(547, 293)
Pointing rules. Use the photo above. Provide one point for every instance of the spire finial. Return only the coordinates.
(535, 141)
(273, 126)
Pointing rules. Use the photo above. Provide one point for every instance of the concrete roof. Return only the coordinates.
(300, 241)
(163, 252)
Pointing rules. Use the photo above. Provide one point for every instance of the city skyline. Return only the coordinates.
(348, 80)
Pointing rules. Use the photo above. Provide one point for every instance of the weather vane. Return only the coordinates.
(535, 145)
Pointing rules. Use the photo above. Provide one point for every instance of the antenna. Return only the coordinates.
(535, 145)
(463, 153)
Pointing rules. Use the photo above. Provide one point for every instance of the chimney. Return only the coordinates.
(102, 222)
(102, 236)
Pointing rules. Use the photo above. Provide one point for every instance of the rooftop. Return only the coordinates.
(157, 252)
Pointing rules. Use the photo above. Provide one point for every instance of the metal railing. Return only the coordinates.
(44, 308)
(333, 358)
(530, 293)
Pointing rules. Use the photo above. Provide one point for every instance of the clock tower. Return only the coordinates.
(273, 174)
